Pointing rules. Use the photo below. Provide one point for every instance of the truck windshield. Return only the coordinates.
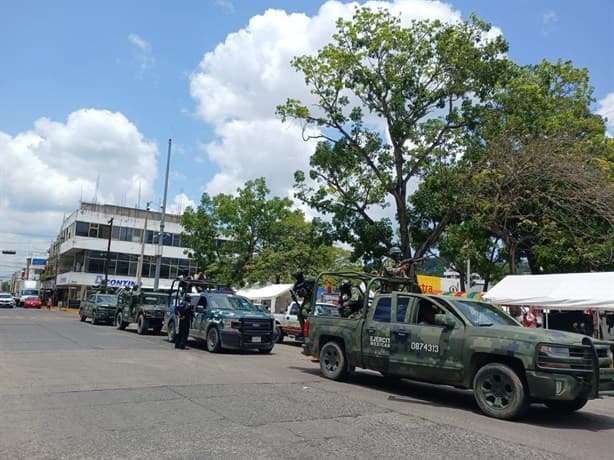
(230, 302)
(29, 292)
(482, 314)
(106, 298)
(150, 299)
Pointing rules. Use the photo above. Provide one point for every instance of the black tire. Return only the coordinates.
(141, 325)
(566, 407)
(214, 342)
(264, 351)
(119, 321)
(333, 362)
(94, 320)
(500, 392)
(82, 317)
(279, 335)
(171, 333)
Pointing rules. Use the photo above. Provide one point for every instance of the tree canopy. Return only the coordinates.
(393, 104)
(251, 237)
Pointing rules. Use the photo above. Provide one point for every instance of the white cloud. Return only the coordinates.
(238, 85)
(550, 17)
(55, 165)
(179, 203)
(143, 53)
(606, 110)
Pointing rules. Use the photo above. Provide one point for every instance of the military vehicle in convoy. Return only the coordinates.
(221, 318)
(460, 342)
(99, 306)
(146, 309)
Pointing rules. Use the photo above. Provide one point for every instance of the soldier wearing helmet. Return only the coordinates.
(350, 300)
(392, 264)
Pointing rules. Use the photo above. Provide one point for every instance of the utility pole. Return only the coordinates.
(161, 236)
(139, 267)
(106, 261)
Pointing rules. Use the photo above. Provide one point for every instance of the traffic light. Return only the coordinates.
(8, 251)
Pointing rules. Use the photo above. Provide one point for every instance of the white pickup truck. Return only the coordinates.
(287, 324)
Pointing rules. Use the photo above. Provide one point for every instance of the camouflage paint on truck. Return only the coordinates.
(465, 343)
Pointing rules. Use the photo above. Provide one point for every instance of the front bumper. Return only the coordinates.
(105, 314)
(586, 373)
(236, 340)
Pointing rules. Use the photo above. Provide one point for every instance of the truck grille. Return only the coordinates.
(256, 326)
(581, 359)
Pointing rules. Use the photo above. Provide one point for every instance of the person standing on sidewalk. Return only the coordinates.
(184, 311)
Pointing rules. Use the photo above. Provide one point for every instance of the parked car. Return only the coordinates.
(6, 300)
(32, 301)
(222, 319)
(287, 324)
(98, 306)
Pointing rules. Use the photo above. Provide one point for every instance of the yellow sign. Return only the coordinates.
(430, 284)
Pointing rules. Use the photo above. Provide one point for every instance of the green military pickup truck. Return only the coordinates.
(146, 309)
(464, 343)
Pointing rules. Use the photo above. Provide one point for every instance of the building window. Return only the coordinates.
(93, 231)
(82, 229)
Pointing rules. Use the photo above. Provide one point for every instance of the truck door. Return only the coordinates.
(376, 334)
(199, 318)
(429, 351)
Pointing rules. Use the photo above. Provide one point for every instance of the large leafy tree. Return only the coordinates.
(536, 180)
(251, 237)
(392, 104)
(544, 189)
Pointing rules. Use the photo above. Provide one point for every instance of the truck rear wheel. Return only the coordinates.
(566, 407)
(119, 321)
(500, 392)
(333, 362)
(83, 317)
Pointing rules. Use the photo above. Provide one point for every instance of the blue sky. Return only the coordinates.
(91, 92)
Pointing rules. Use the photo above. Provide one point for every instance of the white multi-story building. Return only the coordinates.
(79, 254)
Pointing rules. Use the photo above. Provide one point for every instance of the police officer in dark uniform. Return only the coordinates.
(184, 311)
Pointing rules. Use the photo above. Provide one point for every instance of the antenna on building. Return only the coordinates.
(95, 199)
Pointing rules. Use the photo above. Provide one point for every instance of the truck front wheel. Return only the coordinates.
(566, 407)
(333, 363)
(279, 335)
(500, 392)
(214, 343)
(141, 325)
(119, 321)
(171, 333)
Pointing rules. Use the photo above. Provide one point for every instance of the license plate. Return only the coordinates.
(256, 340)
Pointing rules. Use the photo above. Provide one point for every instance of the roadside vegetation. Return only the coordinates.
(431, 139)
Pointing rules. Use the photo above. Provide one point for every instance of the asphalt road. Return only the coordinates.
(70, 390)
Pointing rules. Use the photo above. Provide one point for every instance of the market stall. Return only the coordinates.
(593, 292)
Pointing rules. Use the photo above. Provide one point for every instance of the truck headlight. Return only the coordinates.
(553, 357)
(555, 352)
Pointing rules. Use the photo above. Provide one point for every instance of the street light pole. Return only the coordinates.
(161, 236)
(139, 267)
(106, 261)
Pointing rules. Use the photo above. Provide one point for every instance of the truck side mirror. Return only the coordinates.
(445, 320)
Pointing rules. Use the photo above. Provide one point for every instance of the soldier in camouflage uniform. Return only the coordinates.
(393, 269)
(350, 300)
(304, 289)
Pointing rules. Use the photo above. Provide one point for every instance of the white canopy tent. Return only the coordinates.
(561, 291)
(274, 296)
